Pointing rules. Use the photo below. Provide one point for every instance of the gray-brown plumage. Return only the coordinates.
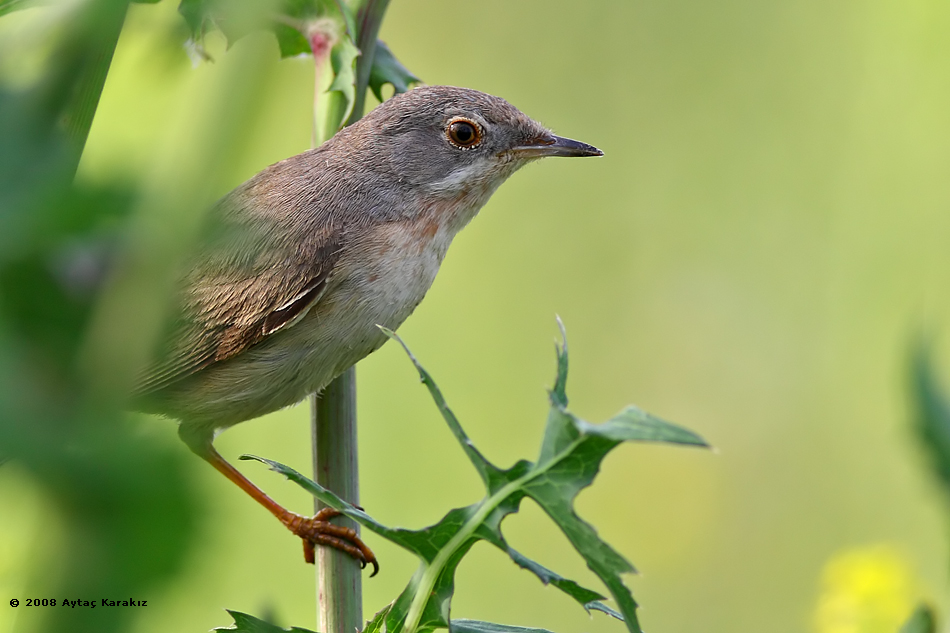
(297, 266)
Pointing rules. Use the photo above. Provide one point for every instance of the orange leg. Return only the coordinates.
(315, 530)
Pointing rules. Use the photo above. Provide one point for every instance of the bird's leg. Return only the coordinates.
(315, 530)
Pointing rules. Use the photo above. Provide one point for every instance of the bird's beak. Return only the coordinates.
(555, 146)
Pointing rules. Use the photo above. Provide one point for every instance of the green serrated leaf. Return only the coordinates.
(922, 621)
(571, 455)
(389, 70)
(572, 450)
(233, 19)
(635, 425)
(491, 475)
(558, 393)
(244, 623)
(600, 606)
(343, 61)
(378, 623)
(288, 19)
(474, 626)
(588, 598)
(290, 41)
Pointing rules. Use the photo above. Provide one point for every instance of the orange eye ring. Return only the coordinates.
(463, 133)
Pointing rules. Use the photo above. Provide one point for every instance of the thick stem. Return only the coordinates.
(333, 427)
(336, 467)
(333, 413)
(369, 17)
(321, 36)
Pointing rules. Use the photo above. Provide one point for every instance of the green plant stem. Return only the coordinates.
(336, 467)
(333, 413)
(332, 116)
(369, 18)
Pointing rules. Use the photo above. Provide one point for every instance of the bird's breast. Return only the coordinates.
(394, 266)
(382, 276)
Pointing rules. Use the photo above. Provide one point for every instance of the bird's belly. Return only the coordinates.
(380, 283)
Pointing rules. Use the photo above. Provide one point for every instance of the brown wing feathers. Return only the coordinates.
(227, 304)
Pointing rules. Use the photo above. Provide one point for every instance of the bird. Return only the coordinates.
(295, 269)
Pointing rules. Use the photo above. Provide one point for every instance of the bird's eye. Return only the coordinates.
(464, 134)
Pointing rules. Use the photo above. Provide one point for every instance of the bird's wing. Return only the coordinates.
(252, 280)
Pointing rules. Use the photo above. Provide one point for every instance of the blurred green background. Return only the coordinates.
(751, 259)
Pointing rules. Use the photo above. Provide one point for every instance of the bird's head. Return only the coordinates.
(456, 143)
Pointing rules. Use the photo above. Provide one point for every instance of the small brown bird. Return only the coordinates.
(297, 266)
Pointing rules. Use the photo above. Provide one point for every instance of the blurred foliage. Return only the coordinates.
(932, 414)
(69, 255)
(570, 457)
(922, 621)
(932, 408)
(291, 23)
(123, 510)
(305, 25)
(8, 6)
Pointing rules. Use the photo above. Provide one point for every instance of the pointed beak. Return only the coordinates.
(555, 146)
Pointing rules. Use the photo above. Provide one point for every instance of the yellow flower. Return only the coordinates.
(866, 590)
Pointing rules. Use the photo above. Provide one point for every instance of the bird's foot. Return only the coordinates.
(317, 530)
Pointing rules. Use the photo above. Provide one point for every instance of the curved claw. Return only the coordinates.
(317, 530)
